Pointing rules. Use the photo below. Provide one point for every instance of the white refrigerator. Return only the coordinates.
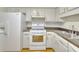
(13, 27)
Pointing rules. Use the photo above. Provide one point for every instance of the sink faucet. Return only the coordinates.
(72, 32)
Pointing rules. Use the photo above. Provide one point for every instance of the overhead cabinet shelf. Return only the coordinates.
(70, 13)
(47, 23)
(38, 17)
(56, 21)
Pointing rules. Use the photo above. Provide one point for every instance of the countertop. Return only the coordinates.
(67, 37)
(55, 28)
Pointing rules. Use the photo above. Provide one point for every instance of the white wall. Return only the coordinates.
(49, 13)
(2, 9)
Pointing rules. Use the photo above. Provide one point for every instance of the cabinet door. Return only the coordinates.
(49, 39)
(71, 49)
(2, 42)
(25, 41)
(61, 45)
(52, 43)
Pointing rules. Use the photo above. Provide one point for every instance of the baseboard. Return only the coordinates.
(47, 50)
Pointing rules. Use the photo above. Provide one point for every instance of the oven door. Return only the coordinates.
(38, 38)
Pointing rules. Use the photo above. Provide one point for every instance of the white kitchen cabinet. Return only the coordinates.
(65, 45)
(70, 8)
(70, 49)
(62, 44)
(26, 39)
(56, 42)
(56, 45)
(2, 41)
(63, 10)
(69, 11)
(50, 38)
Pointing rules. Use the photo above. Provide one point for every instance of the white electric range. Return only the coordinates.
(37, 40)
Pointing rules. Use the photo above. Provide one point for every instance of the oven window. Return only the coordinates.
(37, 38)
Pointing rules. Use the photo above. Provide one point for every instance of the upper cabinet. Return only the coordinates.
(69, 13)
(70, 8)
(65, 10)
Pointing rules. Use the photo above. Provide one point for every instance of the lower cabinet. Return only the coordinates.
(25, 40)
(53, 41)
(61, 44)
(2, 42)
(50, 39)
(70, 49)
(64, 45)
